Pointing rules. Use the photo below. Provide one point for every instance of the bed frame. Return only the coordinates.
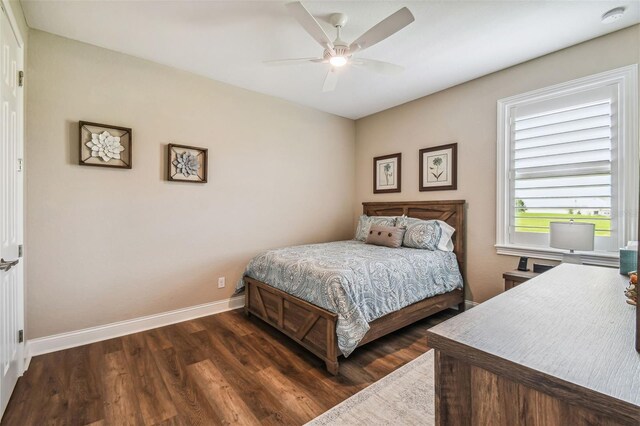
(315, 328)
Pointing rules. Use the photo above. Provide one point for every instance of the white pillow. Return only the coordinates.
(446, 243)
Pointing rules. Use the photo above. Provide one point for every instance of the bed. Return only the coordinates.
(319, 296)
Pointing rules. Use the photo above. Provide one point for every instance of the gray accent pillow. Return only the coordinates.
(421, 234)
(388, 236)
(365, 222)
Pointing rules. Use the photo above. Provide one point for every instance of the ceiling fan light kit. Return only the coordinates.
(338, 53)
(338, 61)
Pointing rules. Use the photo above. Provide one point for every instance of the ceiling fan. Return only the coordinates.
(338, 53)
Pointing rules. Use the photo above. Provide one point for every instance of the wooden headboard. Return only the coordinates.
(451, 212)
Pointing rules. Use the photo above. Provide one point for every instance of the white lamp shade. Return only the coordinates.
(572, 235)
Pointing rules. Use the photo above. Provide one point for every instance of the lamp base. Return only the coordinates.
(572, 258)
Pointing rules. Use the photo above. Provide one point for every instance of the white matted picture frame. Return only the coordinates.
(439, 168)
(387, 173)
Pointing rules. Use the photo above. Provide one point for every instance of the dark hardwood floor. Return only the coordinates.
(219, 369)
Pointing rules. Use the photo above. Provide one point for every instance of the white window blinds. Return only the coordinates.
(562, 161)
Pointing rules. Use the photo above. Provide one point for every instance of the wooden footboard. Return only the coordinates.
(311, 326)
(315, 328)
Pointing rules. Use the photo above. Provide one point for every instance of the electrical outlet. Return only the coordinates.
(221, 282)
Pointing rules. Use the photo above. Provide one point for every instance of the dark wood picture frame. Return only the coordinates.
(204, 152)
(398, 158)
(454, 168)
(83, 160)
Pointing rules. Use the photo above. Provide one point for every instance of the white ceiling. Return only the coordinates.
(450, 42)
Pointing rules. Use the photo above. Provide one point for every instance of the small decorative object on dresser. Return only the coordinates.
(629, 258)
(187, 164)
(387, 173)
(104, 145)
(514, 278)
(439, 168)
(632, 291)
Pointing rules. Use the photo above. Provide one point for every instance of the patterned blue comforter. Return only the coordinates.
(359, 282)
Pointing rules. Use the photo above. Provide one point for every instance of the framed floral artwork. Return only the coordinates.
(104, 145)
(387, 173)
(187, 163)
(439, 168)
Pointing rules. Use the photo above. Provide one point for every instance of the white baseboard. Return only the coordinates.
(72, 339)
(58, 342)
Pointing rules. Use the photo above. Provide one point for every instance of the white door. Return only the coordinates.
(11, 187)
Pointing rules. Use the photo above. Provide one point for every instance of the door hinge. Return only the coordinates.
(20, 336)
(20, 250)
(20, 78)
(20, 164)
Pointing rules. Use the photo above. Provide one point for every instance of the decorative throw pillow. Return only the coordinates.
(422, 234)
(365, 222)
(445, 243)
(388, 236)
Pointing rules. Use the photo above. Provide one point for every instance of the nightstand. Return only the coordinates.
(513, 278)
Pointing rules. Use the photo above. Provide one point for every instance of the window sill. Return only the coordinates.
(591, 258)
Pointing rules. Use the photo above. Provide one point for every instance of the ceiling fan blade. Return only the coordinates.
(330, 81)
(378, 66)
(383, 29)
(292, 61)
(310, 24)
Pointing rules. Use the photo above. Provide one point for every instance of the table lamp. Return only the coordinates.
(572, 236)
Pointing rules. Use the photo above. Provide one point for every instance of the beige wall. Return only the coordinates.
(466, 114)
(109, 245)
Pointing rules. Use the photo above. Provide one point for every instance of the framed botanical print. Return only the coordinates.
(387, 173)
(104, 145)
(187, 163)
(439, 168)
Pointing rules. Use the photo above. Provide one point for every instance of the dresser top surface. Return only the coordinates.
(571, 323)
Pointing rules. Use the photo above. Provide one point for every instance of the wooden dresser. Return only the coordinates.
(556, 350)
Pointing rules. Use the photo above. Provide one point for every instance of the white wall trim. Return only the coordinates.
(57, 342)
(588, 258)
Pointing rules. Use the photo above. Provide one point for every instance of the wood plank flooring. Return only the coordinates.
(221, 369)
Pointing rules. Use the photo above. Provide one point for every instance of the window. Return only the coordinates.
(569, 152)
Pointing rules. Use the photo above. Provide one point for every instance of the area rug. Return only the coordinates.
(404, 397)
